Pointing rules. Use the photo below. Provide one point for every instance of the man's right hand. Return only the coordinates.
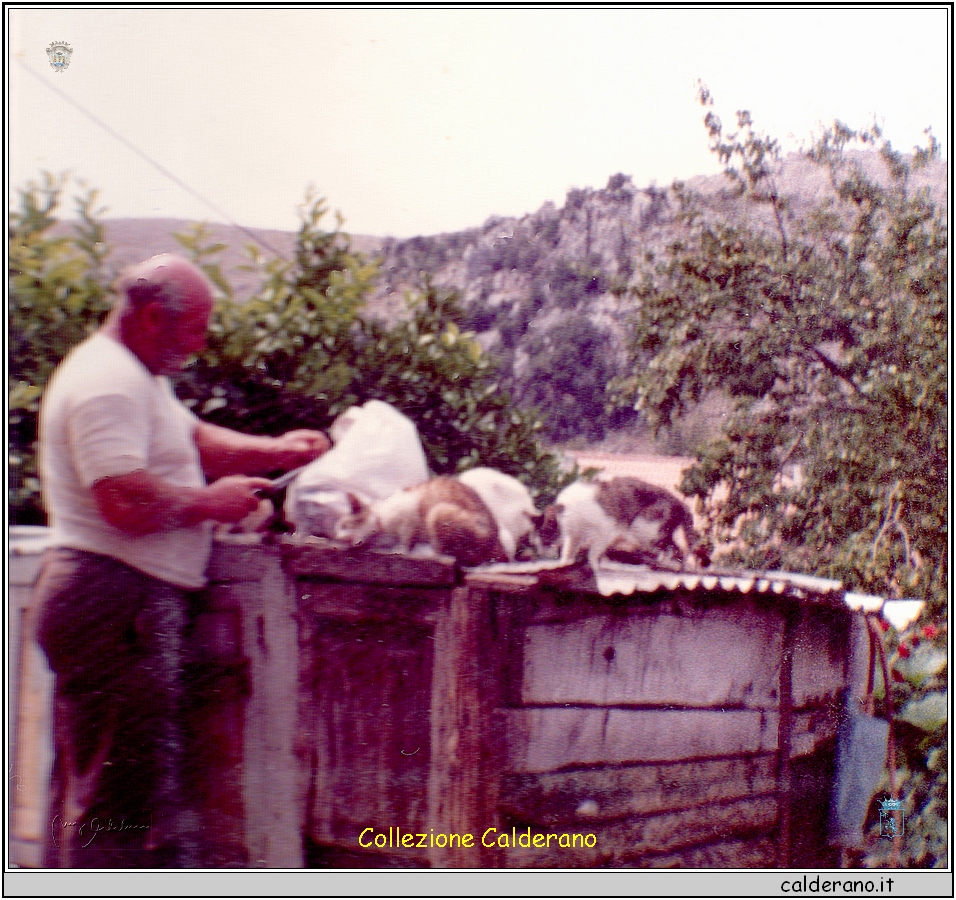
(232, 498)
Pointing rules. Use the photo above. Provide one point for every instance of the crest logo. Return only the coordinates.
(891, 818)
(59, 53)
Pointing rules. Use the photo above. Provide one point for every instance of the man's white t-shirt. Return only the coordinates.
(103, 414)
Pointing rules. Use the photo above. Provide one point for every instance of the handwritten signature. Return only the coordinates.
(88, 831)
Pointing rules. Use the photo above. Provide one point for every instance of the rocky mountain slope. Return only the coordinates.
(547, 293)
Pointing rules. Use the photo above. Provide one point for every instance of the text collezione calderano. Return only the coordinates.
(396, 838)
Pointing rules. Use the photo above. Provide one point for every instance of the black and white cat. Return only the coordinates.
(627, 513)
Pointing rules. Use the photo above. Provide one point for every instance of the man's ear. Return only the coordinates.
(152, 320)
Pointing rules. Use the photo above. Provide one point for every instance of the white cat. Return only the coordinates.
(445, 513)
(510, 503)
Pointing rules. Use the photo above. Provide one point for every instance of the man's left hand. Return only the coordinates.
(227, 452)
(298, 447)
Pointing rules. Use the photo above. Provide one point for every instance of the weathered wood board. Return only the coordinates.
(316, 558)
(820, 656)
(546, 740)
(722, 657)
(466, 742)
(585, 797)
(753, 853)
(31, 688)
(367, 685)
(273, 781)
(220, 685)
(632, 840)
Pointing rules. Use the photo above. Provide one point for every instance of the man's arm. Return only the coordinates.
(226, 452)
(139, 503)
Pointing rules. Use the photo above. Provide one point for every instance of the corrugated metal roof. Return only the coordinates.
(619, 578)
(616, 578)
(625, 580)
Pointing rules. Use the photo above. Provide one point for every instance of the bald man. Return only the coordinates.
(133, 483)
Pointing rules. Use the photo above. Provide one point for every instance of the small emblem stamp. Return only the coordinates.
(891, 818)
(59, 53)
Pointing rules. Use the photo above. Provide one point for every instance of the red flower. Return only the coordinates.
(930, 631)
(903, 651)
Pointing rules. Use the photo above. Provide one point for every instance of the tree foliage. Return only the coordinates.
(827, 332)
(567, 369)
(57, 298)
(302, 351)
(296, 354)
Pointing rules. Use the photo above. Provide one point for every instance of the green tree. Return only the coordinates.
(303, 350)
(56, 298)
(567, 371)
(827, 332)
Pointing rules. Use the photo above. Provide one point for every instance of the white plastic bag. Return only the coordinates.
(376, 451)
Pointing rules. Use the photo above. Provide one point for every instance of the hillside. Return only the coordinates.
(546, 293)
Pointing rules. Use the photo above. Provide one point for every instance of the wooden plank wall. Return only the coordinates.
(654, 725)
(366, 649)
(400, 719)
(345, 690)
(242, 676)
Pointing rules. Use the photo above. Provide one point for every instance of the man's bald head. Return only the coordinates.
(161, 312)
(173, 282)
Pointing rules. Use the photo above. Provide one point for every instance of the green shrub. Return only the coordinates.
(56, 298)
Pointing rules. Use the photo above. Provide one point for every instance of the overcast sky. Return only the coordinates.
(421, 121)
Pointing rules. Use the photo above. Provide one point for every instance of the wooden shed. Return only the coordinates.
(362, 709)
